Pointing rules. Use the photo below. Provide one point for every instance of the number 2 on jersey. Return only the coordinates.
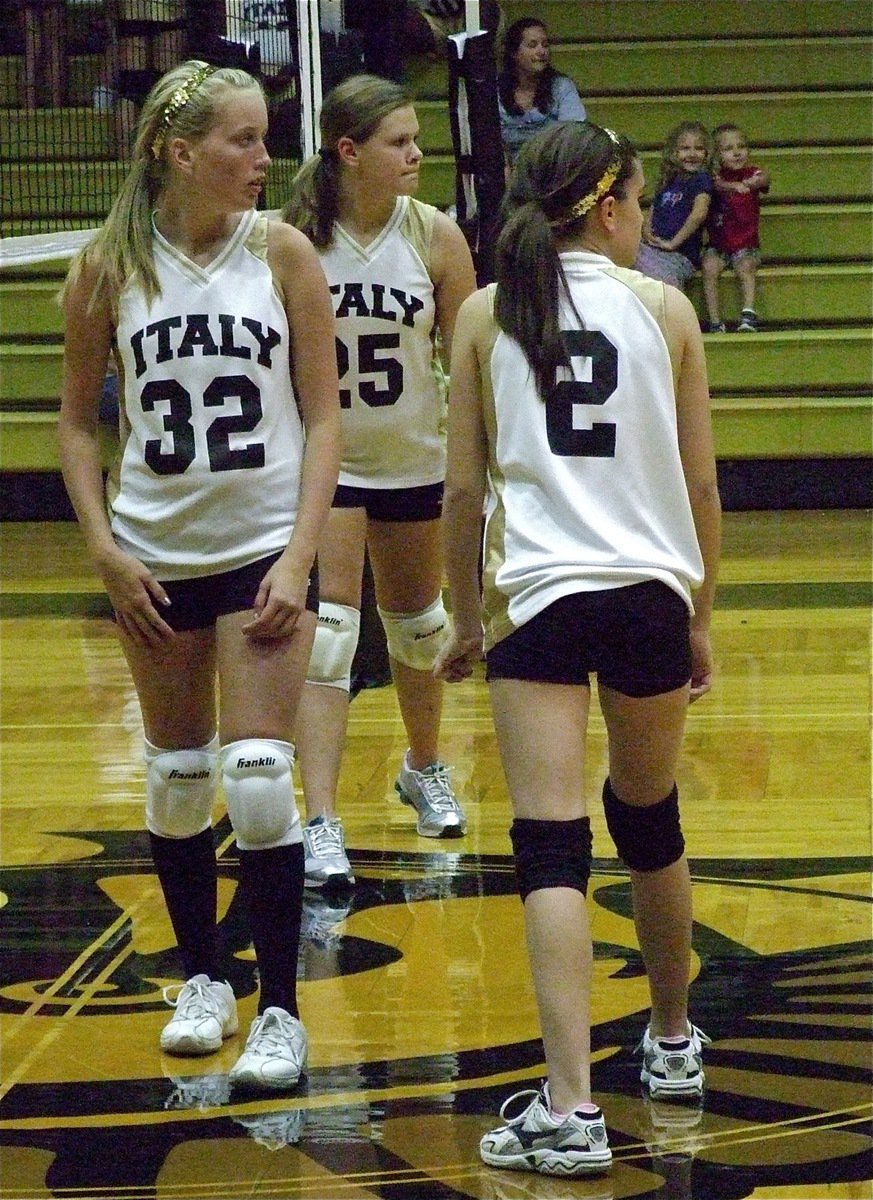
(564, 402)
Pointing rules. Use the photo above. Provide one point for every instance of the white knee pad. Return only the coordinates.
(333, 651)
(415, 639)
(256, 775)
(180, 789)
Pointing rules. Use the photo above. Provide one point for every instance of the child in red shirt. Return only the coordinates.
(733, 225)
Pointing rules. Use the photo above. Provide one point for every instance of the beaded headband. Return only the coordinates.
(604, 183)
(176, 103)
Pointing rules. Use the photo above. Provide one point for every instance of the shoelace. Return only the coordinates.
(271, 1035)
(434, 782)
(518, 1120)
(326, 840)
(192, 1000)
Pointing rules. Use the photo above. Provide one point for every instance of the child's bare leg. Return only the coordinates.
(747, 269)
(711, 268)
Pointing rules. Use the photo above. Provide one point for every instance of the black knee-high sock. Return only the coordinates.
(188, 874)
(271, 882)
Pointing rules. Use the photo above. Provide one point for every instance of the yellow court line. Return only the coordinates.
(774, 1132)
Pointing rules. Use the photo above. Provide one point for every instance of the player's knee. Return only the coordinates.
(551, 854)
(180, 789)
(647, 837)
(256, 776)
(415, 639)
(333, 651)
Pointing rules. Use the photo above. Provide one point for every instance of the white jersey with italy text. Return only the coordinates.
(586, 488)
(211, 438)
(392, 388)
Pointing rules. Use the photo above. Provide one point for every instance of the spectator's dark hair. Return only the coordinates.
(506, 78)
(354, 109)
(560, 175)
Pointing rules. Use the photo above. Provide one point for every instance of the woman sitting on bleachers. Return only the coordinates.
(532, 94)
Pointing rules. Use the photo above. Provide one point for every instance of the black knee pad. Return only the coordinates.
(647, 837)
(550, 854)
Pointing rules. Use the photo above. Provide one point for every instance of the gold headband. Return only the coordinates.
(177, 102)
(604, 183)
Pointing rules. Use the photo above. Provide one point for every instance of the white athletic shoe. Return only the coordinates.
(673, 1069)
(326, 862)
(536, 1141)
(430, 793)
(205, 1015)
(275, 1053)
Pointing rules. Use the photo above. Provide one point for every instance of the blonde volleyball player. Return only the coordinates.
(579, 408)
(398, 271)
(223, 331)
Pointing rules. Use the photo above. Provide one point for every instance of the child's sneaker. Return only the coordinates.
(537, 1141)
(673, 1068)
(715, 327)
(324, 850)
(430, 794)
(205, 1015)
(748, 321)
(275, 1053)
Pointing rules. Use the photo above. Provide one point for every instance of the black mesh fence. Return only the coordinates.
(73, 74)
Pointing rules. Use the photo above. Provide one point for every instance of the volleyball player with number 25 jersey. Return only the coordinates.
(397, 270)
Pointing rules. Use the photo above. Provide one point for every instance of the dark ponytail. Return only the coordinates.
(558, 178)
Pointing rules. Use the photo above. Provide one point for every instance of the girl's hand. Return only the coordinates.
(701, 664)
(280, 600)
(136, 598)
(458, 657)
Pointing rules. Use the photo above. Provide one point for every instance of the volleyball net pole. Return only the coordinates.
(309, 58)
(476, 139)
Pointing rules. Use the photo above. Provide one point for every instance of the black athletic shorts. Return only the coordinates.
(393, 504)
(198, 603)
(635, 639)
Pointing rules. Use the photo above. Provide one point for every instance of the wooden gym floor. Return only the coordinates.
(417, 995)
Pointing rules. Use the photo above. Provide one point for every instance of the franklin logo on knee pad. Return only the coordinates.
(256, 775)
(415, 639)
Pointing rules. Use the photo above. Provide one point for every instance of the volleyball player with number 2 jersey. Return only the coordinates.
(579, 414)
